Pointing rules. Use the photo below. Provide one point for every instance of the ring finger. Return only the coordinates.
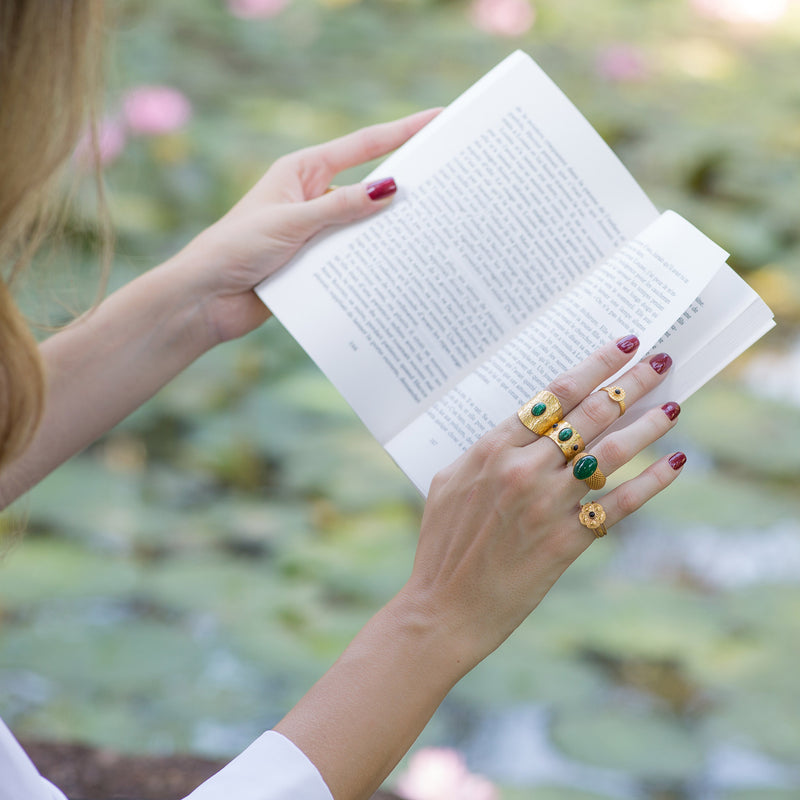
(620, 447)
(599, 410)
(626, 498)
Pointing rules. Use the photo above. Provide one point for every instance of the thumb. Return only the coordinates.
(344, 204)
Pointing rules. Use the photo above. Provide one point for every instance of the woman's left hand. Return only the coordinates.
(277, 216)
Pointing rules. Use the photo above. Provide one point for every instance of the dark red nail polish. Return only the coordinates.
(661, 363)
(628, 344)
(677, 460)
(380, 189)
(671, 409)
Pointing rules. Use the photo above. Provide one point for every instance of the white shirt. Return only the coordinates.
(272, 768)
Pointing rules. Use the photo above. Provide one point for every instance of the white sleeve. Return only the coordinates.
(19, 778)
(272, 768)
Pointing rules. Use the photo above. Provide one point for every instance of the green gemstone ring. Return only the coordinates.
(586, 468)
(541, 412)
(567, 438)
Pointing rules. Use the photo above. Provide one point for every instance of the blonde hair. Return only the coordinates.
(49, 70)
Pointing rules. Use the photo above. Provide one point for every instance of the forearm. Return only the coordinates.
(362, 716)
(105, 365)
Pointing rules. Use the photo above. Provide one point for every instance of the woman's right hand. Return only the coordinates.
(501, 523)
(500, 526)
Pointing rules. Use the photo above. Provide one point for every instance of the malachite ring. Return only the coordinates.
(593, 517)
(541, 412)
(567, 438)
(585, 468)
(617, 394)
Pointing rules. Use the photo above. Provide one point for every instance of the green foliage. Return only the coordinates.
(195, 571)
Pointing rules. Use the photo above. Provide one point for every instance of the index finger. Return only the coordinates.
(368, 143)
(572, 386)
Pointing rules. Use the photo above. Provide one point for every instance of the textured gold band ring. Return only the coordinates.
(541, 412)
(586, 468)
(593, 517)
(617, 394)
(567, 438)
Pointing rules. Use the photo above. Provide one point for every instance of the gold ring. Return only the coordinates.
(593, 517)
(617, 394)
(567, 438)
(586, 468)
(541, 412)
(332, 188)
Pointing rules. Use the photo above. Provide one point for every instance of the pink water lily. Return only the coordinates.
(110, 137)
(256, 9)
(440, 773)
(503, 17)
(151, 110)
(622, 63)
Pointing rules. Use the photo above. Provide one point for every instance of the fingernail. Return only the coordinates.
(661, 363)
(677, 460)
(628, 344)
(671, 409)
(380, 189)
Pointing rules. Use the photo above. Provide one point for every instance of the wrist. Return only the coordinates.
(440, 640)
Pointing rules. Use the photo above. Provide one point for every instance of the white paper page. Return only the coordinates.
(694, 367)
(726, 318)
(634, 291)
(507, 195)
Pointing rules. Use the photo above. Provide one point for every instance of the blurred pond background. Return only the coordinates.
(186, 579)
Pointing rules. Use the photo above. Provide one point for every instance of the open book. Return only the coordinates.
(516, 245)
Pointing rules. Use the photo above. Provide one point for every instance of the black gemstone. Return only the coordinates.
(591, 514)
(616, 391)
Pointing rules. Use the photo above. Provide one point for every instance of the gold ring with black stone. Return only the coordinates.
(617, 394)
(567, 438)
(541, 412)
(593, 517)
(585, 468)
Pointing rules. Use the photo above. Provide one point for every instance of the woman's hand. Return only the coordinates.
(500, 526)
(281, 213)
(501, 523)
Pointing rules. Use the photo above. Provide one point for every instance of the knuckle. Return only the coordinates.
(608, 358)
(627, 499)
(613, 454)
(639, 378)
(514, 476)
(565, 387)
(661, 477)
(597, 410)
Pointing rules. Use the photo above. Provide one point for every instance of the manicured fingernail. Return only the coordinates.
(661, 363)
(677, 460)
(380, 189)
(628, 344)
(671, 409)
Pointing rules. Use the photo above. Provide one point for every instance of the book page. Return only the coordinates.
(636, 290)
(506, 198)
(719, 325)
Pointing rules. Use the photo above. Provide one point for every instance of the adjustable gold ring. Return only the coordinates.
(541, 412)
(593, 517)
(617, 394)
(585, 468)
(567, 438)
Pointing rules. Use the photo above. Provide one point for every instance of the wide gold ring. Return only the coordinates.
(593, 517)
(585, 468)
(541, 412)
(617, 394)
(567, 438)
